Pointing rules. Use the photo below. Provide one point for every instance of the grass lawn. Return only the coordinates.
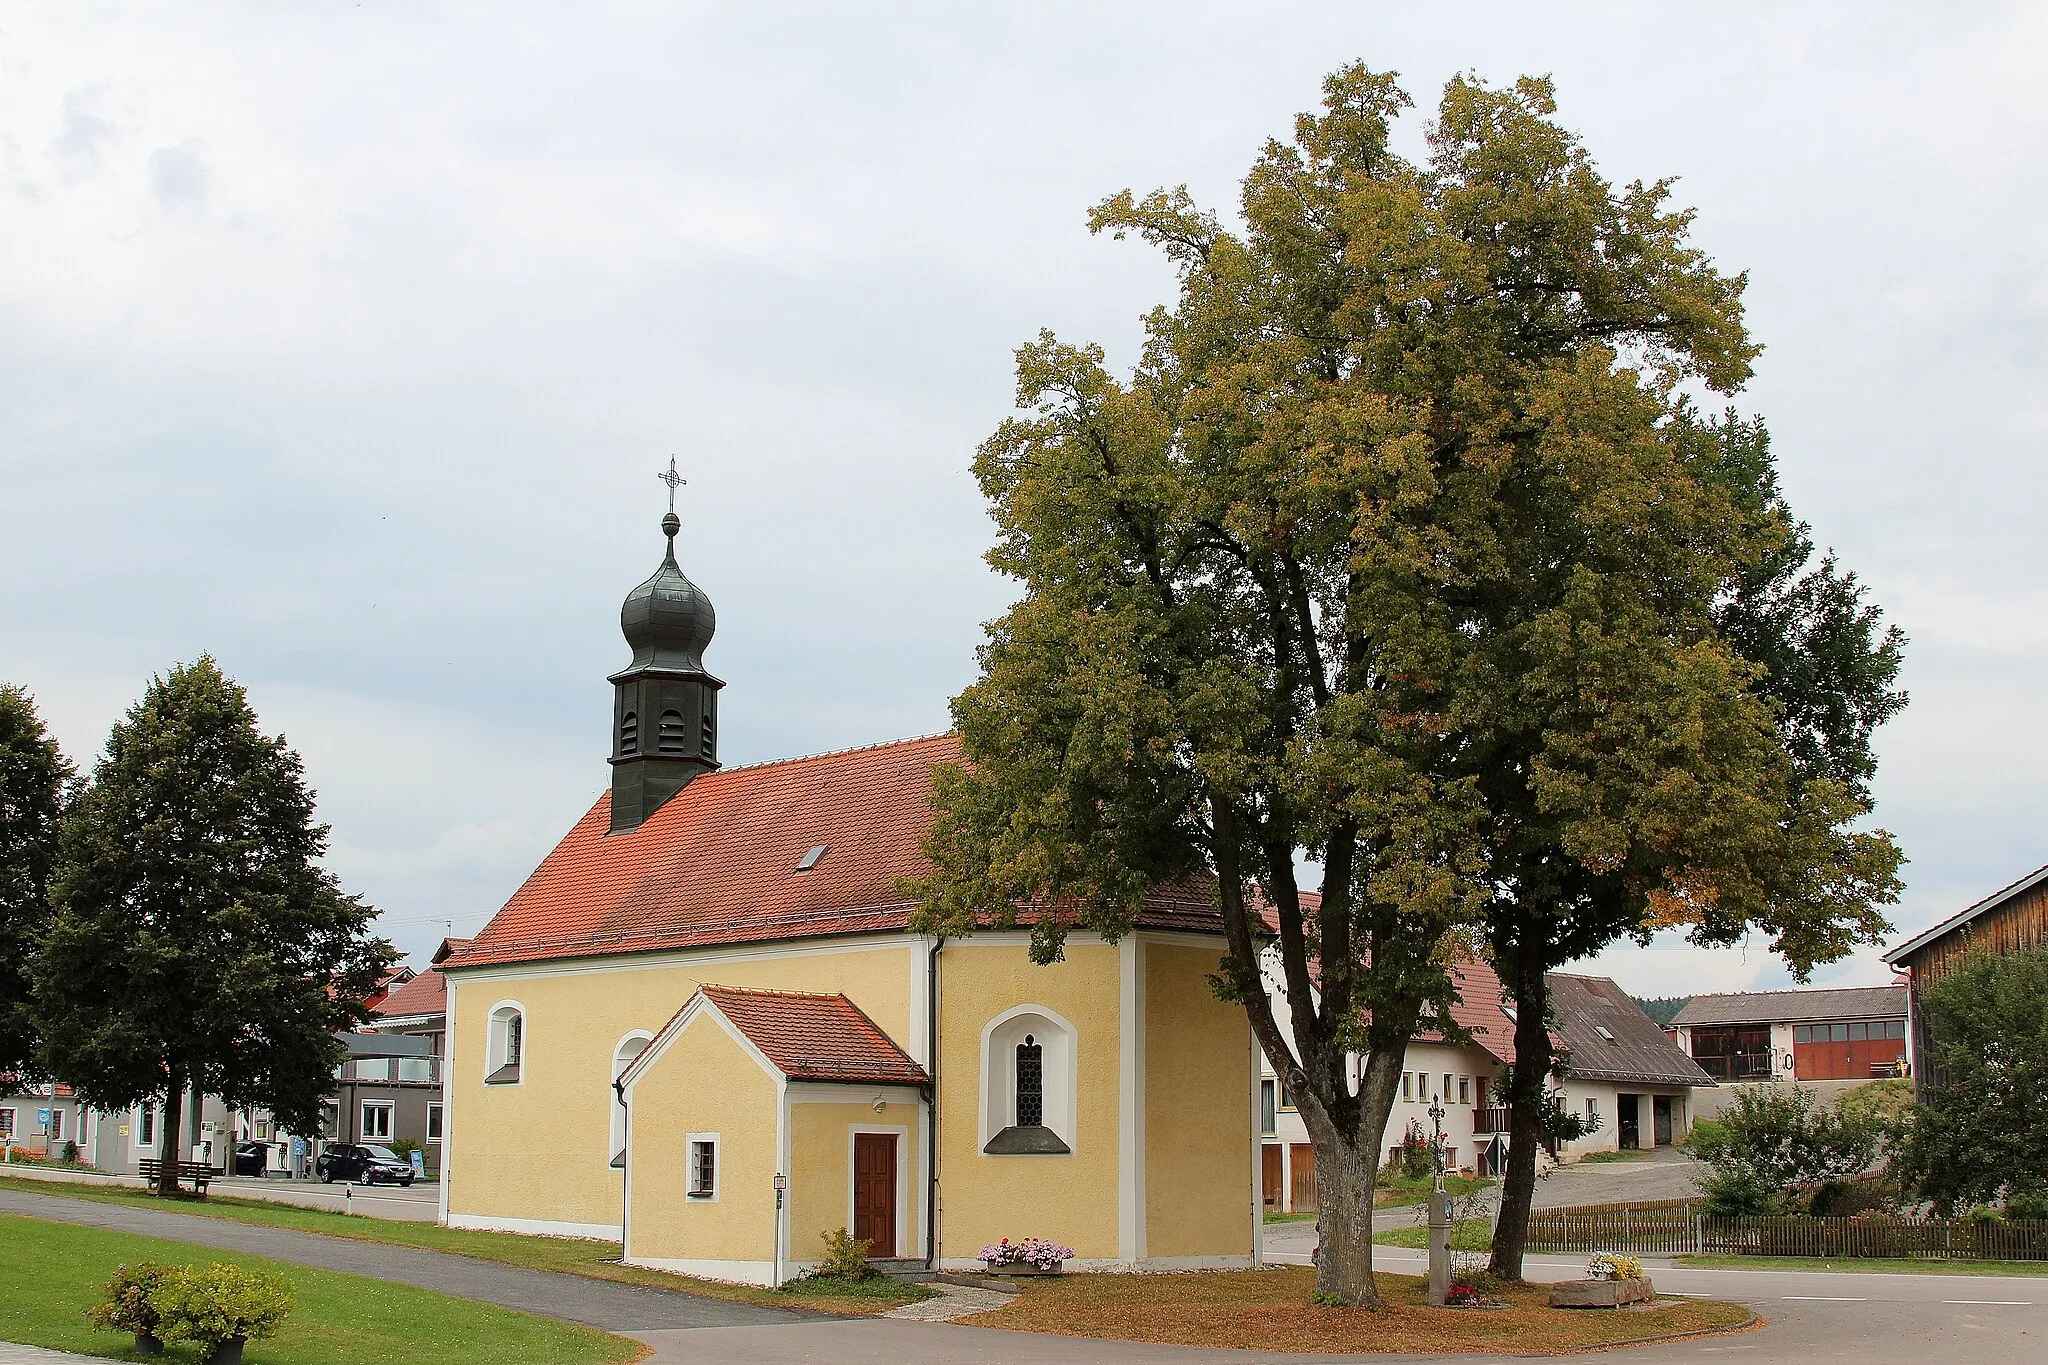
(1269, 1310)
(1473, 1234)
(1874, 1266)
(54, 1272)
(1597, 1157)
(1399, 1191)
(567, 1255)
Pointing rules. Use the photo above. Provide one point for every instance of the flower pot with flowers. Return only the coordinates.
(1030, 1256)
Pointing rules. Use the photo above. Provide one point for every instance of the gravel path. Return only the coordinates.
(572, 1298)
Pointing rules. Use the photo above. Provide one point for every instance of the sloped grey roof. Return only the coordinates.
(1789, 1007)
(1633, 1049)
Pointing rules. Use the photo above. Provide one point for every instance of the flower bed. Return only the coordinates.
(1031, 1256)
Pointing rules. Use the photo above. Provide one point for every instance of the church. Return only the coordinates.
(703, 1027)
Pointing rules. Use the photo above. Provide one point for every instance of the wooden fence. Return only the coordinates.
(1679, 1230)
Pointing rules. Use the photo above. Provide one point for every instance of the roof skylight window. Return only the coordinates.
(1601, 1029)
(810, 858)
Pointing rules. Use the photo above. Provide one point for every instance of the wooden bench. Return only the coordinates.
(198, 1172)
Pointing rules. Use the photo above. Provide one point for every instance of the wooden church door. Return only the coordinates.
(874, 1192)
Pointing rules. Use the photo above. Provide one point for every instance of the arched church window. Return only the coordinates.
(629, 733)
(1030, 1083)
(629, 1048)
(506, 1046)
(670, 738)
(1028, 1072)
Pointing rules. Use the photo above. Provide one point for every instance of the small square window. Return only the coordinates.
(703, 1166)
(1802, 1033)
(1592, 1108)
(433, 1123)
(1464, 1090)
(1859, 1032)
(1894, 1028)
(1838, 1033)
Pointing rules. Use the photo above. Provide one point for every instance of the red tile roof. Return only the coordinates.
(815, 1037)
(426, 993)
(717, 863)
(1480, 994)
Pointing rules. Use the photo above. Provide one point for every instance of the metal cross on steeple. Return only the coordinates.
(673, 480)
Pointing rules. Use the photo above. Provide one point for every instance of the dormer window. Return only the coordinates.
(629, 733)
(669, 740)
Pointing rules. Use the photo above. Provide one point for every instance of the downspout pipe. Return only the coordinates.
(625, 1166)
(931, 1107)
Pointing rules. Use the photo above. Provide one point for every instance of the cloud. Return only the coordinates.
(179, 176)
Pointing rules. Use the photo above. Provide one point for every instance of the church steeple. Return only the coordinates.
(665, 705)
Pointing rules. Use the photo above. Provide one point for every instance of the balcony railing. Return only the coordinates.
(393, 1070)
(1495, 1119)
(1743, 1066)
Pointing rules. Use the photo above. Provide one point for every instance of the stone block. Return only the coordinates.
(1600, 1293)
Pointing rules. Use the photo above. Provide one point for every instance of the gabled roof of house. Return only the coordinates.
(1478, 1010)
(806, 1037)
(1611, 1039)
(1948, 926)
(816, 1037)
(1791, 1007)
(426, 993)
(719, 863)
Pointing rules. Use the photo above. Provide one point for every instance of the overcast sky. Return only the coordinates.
(345, 341)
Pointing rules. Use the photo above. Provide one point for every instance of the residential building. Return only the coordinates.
(703, 1026)
(2007, 921)
(386, 1091)
(1845, 1034)
(1623, 1074)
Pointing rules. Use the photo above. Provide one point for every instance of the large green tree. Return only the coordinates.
(1399, 556)
(198, 944)
(1798, 867)
(33, 779)
(1981, 1133)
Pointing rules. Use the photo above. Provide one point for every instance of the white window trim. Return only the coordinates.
(7, 1128)
(999, 1068)
(433, 1107)
(495, 1040)
(901, 1132)
(390, 1112)
(690, 1141)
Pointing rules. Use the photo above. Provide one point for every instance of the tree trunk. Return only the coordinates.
(1526, 1127)
(1347, 1174)
(167, 1136)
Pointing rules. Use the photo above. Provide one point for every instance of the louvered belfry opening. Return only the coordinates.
(1030, 1083)
(629, 733)
(670, 740)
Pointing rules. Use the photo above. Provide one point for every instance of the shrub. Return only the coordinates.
(70, 1152)
(220, 1303)
(1779, 1139)
(2027, 1204)
(845, 1258)
(1739, 1194)
(1418, 1153)
(129, 1305)
(403, 1148)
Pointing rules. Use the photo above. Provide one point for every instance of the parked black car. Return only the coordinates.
(252, 1158)
(347, 1161)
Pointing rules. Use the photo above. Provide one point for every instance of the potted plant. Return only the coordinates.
(129, 1304)
(1031, 1256)
(222, 1308)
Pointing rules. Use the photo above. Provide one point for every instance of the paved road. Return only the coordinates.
(1810, 1316)
(620, 1308)
(420, 1203)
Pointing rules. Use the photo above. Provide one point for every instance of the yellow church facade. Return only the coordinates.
(704, 1027)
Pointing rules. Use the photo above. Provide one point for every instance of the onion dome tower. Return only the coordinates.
(665, 705)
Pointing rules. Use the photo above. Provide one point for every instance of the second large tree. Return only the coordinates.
(198, 945)
(1399, 555)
